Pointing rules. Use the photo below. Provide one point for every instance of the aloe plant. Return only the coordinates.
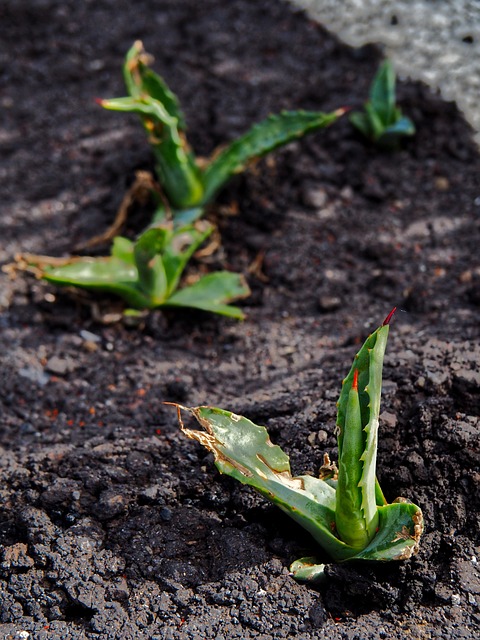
(188, 185)
(344, 510)
(382, 121)
(146, 273)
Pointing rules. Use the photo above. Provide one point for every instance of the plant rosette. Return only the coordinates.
(188, 185)
(382, 121)
(147, 273)
(344, 509)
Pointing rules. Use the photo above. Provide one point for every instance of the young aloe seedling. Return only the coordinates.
(146, 273)
(382, 121)
(187, 185)
(344, 510)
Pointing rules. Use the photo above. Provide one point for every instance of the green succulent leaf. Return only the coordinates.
(148, 254)
(376, 124)
(382, 93)
(179, 175)
(354, 525)
(357, 424)
(141, 81)
(143, 106)
(361, 122)
(243, 450)
(123, 249)
(308, 570)
(182, 245)
(400, 526)
(109, 274)
(213, 293)
(402, 127)
(262, 138)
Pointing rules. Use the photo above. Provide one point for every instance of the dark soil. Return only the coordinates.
(113, 525)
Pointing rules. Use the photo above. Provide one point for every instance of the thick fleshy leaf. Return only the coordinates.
(399, 530)
(213, 293)
(357, 515)
(354, 525)
(122, 248)
(362, 363)
(244, 451)
(101, 274)
(142, 106)
(308, 570)
(183, 244)
(148, 253)
(382, 93)
(262, 138)
(376, 124)
(402, 127)
(361, 122)
(178, 173)
(140, 80)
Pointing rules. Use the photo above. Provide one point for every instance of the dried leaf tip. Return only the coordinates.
(179, 408)
(389, 317)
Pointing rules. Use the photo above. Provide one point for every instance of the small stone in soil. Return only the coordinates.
(329, 303)
(60, 366)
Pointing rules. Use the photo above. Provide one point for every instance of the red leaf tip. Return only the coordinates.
(355, 380)
(389, 317)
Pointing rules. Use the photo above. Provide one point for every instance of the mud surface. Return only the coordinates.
(112, 524)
